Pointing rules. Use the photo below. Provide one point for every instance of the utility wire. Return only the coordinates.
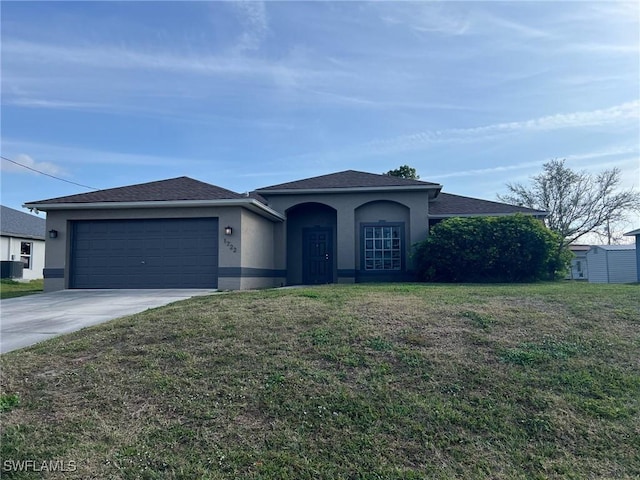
(47, 174)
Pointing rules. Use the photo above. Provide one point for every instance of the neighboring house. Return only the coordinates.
(612, 264)
(182, 233)
(636, 233)
(21, 240)
(579, 266)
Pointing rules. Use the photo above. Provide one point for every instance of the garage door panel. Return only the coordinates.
(146, 253)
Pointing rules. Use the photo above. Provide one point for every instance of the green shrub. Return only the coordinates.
(515, 248)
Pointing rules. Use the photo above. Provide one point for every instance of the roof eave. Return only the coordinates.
(248, 203)
(22, 235)
(502, 214)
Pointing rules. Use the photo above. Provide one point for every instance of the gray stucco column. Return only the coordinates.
(346, 241)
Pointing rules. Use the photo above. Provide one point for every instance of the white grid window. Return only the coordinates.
(25, 254)
(382, 248)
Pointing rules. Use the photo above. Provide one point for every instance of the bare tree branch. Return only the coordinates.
(576, 203)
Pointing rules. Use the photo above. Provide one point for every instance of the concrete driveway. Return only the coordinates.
(34, 318)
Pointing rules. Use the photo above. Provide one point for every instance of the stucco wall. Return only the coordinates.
(260, 268)
(10, 250)
(414, 206)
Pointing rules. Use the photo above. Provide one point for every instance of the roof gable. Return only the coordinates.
(17, 223)
(174, 189)
(348, 179)
(447, 204)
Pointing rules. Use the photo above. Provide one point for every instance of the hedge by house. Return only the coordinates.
(514, 248)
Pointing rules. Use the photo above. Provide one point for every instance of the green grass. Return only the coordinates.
(399, 381)
(11, 288)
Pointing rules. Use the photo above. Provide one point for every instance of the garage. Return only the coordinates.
(144, 253)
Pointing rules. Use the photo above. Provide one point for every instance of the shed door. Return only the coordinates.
(145, 253)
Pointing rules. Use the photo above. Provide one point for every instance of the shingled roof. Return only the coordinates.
(346, 180)
(447, 204)
(14, 223)
(173, 189)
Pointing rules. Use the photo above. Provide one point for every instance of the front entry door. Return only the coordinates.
(317, 255)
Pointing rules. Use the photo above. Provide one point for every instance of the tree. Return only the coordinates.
(513, 248)
(405, 171)
(576, 203)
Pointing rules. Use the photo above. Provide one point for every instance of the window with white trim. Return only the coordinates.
(25, 254)
(382, 247)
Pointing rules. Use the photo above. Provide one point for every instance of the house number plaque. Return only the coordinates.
(231, 246)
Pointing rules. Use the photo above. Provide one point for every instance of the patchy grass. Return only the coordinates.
(11, 288)
(340, 382)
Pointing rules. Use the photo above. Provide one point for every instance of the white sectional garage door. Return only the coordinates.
(145, 253)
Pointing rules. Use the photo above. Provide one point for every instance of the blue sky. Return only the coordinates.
(249, 94)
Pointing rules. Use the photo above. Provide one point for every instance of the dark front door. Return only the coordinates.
(317, 255)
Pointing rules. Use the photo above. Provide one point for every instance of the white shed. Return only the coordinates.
(612, 264)
(579, 266)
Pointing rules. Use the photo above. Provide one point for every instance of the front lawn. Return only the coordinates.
(339, 382)
(11, 288)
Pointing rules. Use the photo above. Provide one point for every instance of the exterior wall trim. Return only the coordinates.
(240, 272)
(346, 273)
(248, 203)
(463, 215)
(53, 272)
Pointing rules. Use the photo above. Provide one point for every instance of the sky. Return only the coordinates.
(244, 95)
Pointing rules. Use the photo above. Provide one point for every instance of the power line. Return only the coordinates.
(47, 174)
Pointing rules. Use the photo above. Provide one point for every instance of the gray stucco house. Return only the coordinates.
(182, 233)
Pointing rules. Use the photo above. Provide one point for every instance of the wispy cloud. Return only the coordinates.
(428, 17)
(27, 58)
(457, 19)
(353, 100)
(619, 113)
(608, 153)
(68, 156)
(29, 166)
(123, 58)
(55, 104)
(253, 17)
(600, 48)
(485, 22)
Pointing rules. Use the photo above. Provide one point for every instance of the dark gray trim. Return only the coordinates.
(53, 272)
(346, 272)
(235, 272)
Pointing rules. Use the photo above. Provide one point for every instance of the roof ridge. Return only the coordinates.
(171, 189)
(349, 179)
